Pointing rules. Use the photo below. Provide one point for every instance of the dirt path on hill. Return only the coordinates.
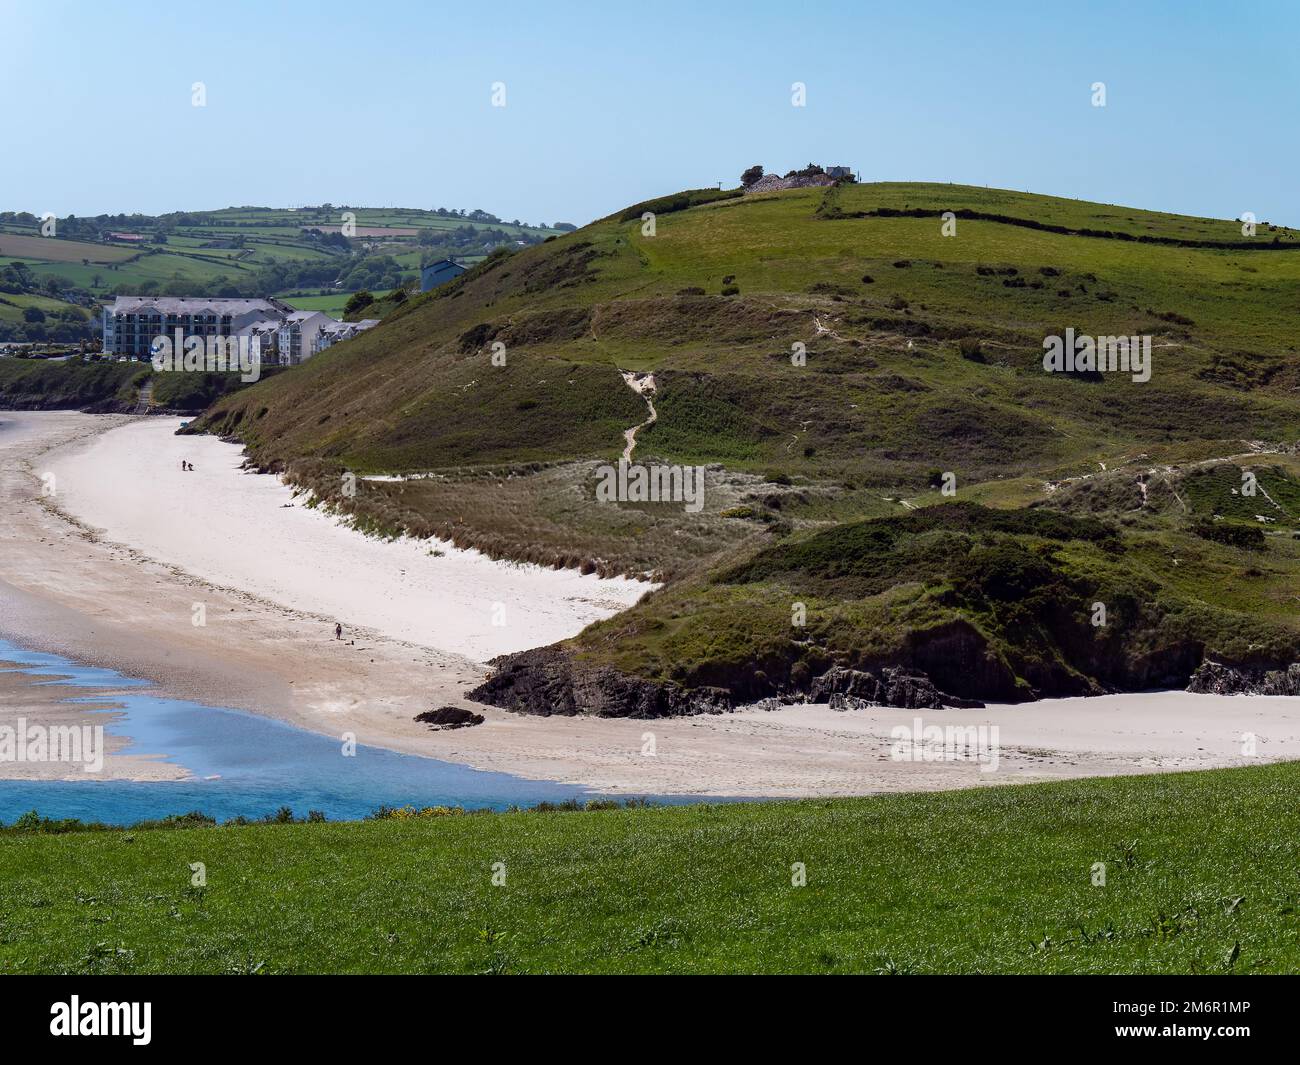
(643, 384)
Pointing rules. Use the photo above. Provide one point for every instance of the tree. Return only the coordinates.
(358, 301)
(33, 314)
(751, 175)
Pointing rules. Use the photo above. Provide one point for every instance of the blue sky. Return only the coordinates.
(608, 103)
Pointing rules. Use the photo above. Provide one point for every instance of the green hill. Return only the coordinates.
(923, 359)
(1197, 875)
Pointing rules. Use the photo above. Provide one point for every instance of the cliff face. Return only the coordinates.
(549, 680)
(552, 680)
(1216, 678)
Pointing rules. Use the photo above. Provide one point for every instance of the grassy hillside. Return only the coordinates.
(101, 385)
(608, 296)
(1199, 877)
(990, 604)
(43, 384)
(923, 369)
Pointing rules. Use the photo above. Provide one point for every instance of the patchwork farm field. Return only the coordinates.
(205, 252)
(52, 249)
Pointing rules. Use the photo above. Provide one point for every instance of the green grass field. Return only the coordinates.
(1200, 876)
(12, 306)
(332, 305)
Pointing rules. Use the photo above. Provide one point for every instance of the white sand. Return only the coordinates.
(247, 531)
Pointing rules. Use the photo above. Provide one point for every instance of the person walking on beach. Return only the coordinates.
(338, 631)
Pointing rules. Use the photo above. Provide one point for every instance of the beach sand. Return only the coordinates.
(248, 531)
(110, 568)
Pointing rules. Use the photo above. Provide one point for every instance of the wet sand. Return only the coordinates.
(41, 700)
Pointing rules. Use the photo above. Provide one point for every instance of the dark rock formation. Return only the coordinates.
(853, 689)
(1215, 678)
(449, 717)
(547, 680)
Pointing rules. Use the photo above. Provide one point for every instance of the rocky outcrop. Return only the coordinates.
(853, 689)
(449, 717)
(1215, 678)
(549, 680)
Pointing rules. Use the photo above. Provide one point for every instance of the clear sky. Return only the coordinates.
(611, 102)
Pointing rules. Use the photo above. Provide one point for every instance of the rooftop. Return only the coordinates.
(196, 305)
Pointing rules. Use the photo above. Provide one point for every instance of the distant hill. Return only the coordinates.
(923, 359)
(243, 251)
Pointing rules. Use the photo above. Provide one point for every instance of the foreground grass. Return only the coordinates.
(1201, 877)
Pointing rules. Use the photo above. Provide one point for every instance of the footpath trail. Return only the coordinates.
(643, 384)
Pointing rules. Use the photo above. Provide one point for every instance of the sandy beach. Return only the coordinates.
(108, 553)
(249, 531)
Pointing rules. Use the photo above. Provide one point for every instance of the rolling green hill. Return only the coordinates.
(1199, 877)
(923, 371)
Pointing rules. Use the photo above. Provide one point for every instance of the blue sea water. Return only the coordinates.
(259, 764)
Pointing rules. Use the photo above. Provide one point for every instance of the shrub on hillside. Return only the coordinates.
(1243, 536)
(356, 302)
(1006, 572)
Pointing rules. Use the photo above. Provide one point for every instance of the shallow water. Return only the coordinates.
(259, 764)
